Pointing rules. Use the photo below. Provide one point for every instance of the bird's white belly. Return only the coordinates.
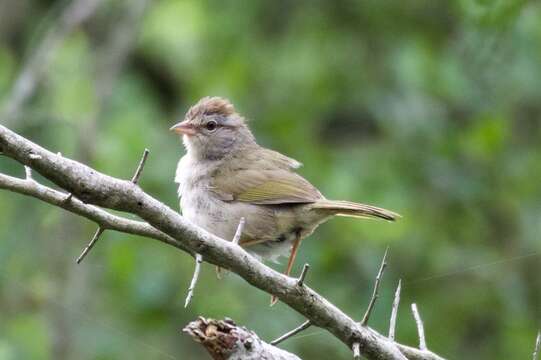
(207, 212)
(197, 204)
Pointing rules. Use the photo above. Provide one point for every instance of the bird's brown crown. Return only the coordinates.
(211, 106)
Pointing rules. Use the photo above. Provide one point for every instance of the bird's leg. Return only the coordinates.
(290, 261)
(293, 254)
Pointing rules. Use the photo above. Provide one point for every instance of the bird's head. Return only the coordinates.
(212, 129)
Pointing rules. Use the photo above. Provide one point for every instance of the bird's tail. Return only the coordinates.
(351, 209)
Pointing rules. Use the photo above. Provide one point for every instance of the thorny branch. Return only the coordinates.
(93, 213)
(89, 186)
(199, 261)
(375, 294)
(306, 324)
(99, 232)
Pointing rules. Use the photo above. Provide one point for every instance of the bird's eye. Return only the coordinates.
(211, 125)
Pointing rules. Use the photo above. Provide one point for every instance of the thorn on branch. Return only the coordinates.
(68, 198)
(420, 327)
(394, 311)
(239, 231)
(305, 325)
(537, 348)
(375, 294)
(90, 244)
(28, 173)
(300, 281)
(198, 261)
(356, 351)
(137, 175)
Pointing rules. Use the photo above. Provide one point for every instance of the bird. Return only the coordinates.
(225, 175)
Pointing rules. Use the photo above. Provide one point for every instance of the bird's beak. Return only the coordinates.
(183, 128)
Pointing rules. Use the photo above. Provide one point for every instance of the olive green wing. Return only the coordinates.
(264, 187)
(263, 159)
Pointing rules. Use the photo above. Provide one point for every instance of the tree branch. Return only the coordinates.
(93, 187)
(199, 261)
(100, 231)
(99, 216)
(224, 340)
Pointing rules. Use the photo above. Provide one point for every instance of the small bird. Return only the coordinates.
(225, 176)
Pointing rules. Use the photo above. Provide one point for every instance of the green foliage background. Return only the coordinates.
(429, 108)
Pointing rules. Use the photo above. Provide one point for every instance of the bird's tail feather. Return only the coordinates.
(351, 209)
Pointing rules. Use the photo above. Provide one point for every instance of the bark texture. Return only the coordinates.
(224, 340)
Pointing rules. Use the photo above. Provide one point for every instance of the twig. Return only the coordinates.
(238, 233)
(537, 346)
(375, 294)
(28, 173)
(305, 268)
(305, 325)
(139, 170)
(198, 261)
(420, 327)
(68, 198)
(100, 230)
(90, 244)
(28, 169)
(356, 351)
(394, 311)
